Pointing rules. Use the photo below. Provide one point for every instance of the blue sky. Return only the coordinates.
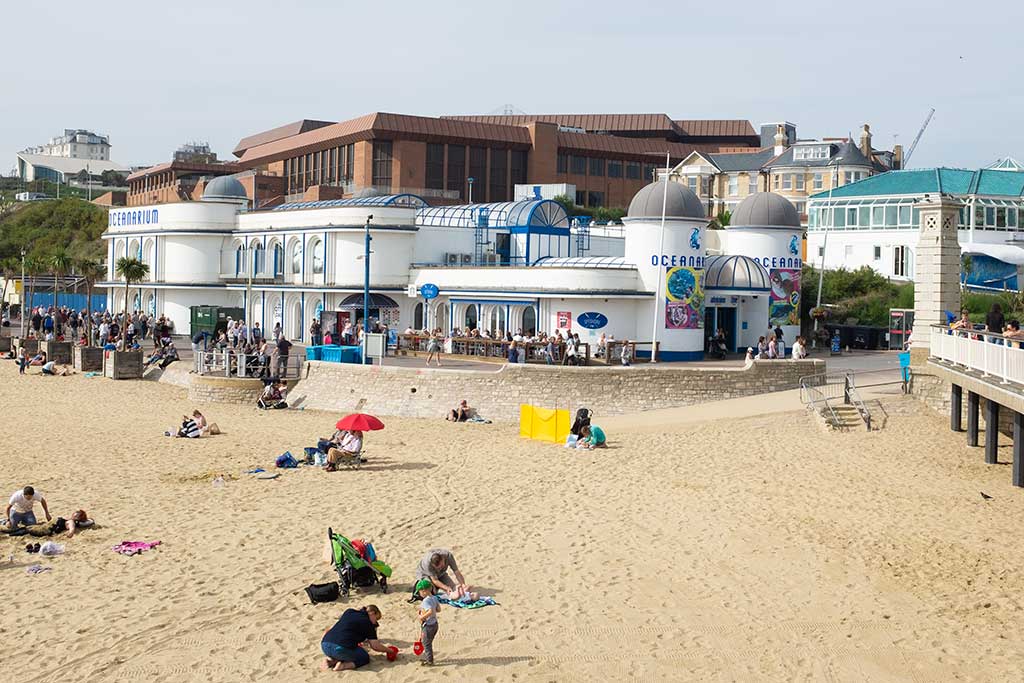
(155, 75)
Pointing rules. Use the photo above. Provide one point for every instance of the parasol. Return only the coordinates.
(359, 422)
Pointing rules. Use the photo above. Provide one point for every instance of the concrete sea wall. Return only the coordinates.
(497, 395)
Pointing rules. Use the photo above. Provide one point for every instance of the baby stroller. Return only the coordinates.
(582, 420)
(357, 564)
(271, 398)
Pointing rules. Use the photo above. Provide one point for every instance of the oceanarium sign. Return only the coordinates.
(121, 219)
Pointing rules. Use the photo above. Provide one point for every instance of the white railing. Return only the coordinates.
(232, 363)
(991, 355)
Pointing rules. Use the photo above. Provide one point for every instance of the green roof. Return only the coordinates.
(956, 181)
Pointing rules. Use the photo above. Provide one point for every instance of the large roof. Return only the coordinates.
(70, 165)
(741, 161)
(627, 123)
(534, 213)
(188, 167)
(677, 199)
(386, 126)
(285, 131)
(647, 149)
(916, 182)
(402, 200)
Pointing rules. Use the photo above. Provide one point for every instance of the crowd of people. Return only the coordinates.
(772, 346)
(561, 347)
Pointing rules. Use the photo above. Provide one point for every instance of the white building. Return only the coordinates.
(67, 155)
(75, 144)
(508, 266)
(873, 222)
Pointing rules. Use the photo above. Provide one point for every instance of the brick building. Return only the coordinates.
(481, 158)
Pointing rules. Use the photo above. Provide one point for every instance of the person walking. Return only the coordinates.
(427, 617)
(434, 350)
(315, 333)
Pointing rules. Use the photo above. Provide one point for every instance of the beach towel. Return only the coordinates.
(37, 569)
(130, 548)
(476, 419)
(482, 601)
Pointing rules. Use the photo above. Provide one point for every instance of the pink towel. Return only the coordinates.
(130, 548)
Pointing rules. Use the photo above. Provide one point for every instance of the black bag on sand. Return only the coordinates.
(323, 592)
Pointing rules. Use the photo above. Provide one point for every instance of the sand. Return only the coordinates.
(737, 549)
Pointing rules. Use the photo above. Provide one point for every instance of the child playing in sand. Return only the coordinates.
(427, 617)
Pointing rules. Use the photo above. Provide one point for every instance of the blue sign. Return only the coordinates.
(134, 217)
(592, 320)
(429, 291)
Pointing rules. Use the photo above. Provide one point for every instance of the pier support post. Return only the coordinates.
(991, 432)
(1018, 449)
(972, 418)
(956, 400)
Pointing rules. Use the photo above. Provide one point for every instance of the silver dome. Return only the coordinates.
(735, 273)
(681, 202)
(765, 209)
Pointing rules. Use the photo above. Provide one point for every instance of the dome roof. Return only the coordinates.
(765, 209)
(224, 187)
(735, 273)
(680, 202)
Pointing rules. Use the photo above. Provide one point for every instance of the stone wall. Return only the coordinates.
(497, 395)
(224, 390)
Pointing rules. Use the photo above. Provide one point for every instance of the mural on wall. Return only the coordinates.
(784, 299)
(684, 299)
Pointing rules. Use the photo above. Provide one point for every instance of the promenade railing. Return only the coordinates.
(230, 363)
(992, 355)
(490, 349)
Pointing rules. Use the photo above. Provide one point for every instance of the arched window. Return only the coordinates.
(530, 321)
(471, 317)
(151, 304)
(278, 259)
(318, 257)
(417, 317)
(239, 260)
(296, 257)
(259, 258)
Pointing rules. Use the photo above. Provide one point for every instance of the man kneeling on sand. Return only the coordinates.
(341, 642)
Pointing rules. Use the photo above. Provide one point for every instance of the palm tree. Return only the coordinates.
(33, 268)
(133, 270)
(92, 272)
(61, 264)
(721, 221)
(9, 269)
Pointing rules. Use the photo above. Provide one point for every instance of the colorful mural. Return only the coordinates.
(784, 299)
(684, 299)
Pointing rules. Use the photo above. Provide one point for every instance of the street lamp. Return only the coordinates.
(22, 292)
(470, 189)
(366, 287)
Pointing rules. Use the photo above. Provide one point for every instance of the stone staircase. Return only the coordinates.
(847, 415)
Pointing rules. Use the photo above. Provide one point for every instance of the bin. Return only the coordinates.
(314, 353)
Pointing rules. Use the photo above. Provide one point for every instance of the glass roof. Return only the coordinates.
(532, 212)
(405, 200)
(598, 262)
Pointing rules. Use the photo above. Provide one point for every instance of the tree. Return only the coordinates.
(721, 221)
(92, 272)
(83, 176)
(111, 178)
(133, 270)
(567, 202)
(33, 268)
(9, 269)
(61, 264)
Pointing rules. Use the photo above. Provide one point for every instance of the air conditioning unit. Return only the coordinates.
(492, 259)
(467, 259)
(452, 259)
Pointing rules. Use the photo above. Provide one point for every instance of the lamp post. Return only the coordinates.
(366, 287)
(824, 245)
(22, 292)
(471, 189)
(658, 294)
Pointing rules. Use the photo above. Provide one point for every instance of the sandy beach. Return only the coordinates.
(730, 549)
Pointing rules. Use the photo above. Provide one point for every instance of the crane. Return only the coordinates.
(913, 145)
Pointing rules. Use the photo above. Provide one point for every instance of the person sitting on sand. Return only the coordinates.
(341, 642)
(460, 414)
(189, 428)
(592, 437)
(20, 508)
(272, 396)
(51, 368)
(434, 566)
(38, 359)
(205, 428)
(351, 445)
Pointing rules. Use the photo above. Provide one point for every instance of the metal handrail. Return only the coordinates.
(853, 398)
(812, 404)
(229, 363)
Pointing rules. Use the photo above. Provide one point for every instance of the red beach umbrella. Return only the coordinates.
(359, 422)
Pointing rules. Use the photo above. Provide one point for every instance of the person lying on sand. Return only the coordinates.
(80, 520)
(460, 414)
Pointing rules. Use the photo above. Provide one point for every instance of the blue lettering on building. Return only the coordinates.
(592, 320)
(119, 219)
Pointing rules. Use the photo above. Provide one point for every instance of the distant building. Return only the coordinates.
(75, 144)
(65, 156)
(792, 168)
(873, 222)
(195, 153)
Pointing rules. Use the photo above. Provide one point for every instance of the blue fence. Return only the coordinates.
(71, 300)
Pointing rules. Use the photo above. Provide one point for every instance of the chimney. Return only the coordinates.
(897, 157)
(780, 140)
(865, 141)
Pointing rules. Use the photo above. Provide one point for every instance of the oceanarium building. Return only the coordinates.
(499, 267)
